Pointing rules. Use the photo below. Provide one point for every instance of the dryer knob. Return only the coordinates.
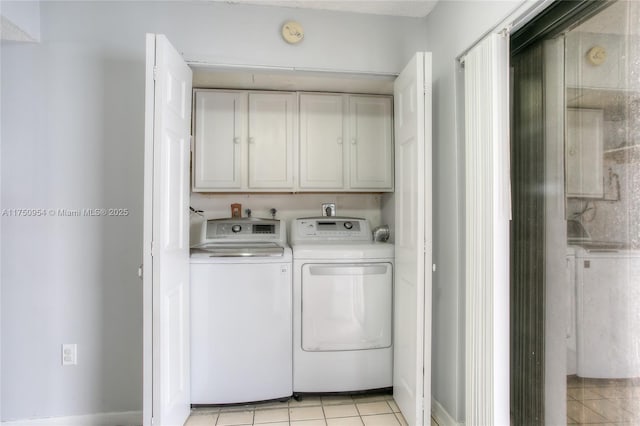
(236, 228)
(348, 225)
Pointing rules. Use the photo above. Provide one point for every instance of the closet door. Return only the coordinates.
(219, 133)
(371, 140)
(413, 242)
(271, 143)
(321, 137)
(166, 376)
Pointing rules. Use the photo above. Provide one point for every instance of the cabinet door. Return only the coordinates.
(220, 122)
(321, 136)
(584, 153)
(271, 132)
(371, 154)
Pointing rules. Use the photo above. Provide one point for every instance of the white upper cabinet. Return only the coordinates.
(219, 132)
(346, 142)
(243, 141)
(271, 144)
(583, 155)
(371, 141)
(246, 141)
(321, 141)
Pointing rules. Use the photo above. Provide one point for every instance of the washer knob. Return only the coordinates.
(236, 228)
(348, 225)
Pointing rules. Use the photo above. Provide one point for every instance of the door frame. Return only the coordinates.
(148, 343)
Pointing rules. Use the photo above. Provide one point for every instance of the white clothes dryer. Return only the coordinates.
(343, 306)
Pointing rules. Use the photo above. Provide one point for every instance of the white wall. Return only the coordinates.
(452, 27)
(20, 20)
(72, 137)
(288, 206)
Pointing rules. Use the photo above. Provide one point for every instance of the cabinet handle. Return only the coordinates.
(252, 140)
(339, 141)
(353, 141)
(236, 140)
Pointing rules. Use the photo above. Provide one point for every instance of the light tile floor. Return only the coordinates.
(343, 410)
(603, 401)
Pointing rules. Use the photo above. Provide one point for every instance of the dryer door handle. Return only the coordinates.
(349, 269)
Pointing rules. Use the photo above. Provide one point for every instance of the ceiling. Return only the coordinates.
(410, 8)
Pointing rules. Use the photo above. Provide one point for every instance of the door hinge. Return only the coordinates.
(152, 249)
(155, 72)
(141, 271)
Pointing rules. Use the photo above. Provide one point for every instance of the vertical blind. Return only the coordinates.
(487, 195)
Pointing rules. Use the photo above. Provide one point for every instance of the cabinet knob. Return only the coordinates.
(252, 140)
(339, 141)
(236, 140)
(353, 141)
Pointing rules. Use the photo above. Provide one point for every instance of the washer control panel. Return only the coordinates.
(242, 231)
(217, 228)
(331, 228)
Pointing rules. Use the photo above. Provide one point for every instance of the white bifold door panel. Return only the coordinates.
(166, 390)
(413, 241)
(219, 134)
(346, 306)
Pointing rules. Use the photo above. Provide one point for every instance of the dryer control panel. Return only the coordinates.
(331, 228)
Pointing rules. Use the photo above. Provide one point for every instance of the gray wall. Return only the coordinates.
(452, 27)
(72, 137)
(22, 20)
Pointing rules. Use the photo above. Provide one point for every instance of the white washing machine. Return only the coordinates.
(241, 317)
(608, 318)
(342, 309)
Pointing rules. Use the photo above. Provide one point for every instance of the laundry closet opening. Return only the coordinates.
(315, 317)
(271, 181)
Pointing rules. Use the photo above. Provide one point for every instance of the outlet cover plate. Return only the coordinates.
(69, 354)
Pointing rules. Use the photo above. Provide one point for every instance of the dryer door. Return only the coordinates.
(346, 306)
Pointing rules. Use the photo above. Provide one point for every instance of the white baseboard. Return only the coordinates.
(127, 418)
(441, 415)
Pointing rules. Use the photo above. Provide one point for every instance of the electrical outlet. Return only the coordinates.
(69, 354)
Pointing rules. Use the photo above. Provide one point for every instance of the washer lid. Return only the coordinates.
(238, 250)
(337, 251)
